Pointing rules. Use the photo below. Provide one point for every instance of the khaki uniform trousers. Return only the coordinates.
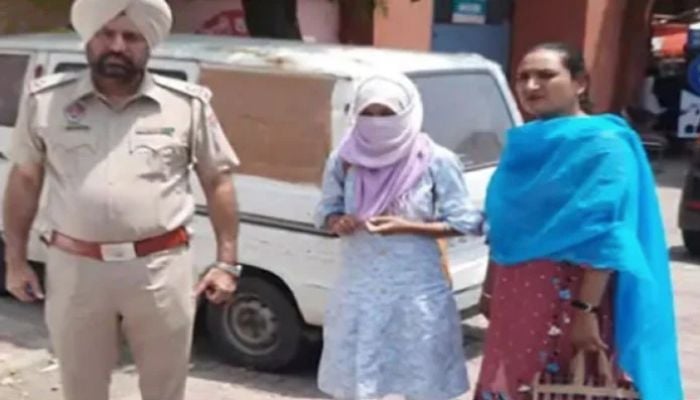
(150, 300)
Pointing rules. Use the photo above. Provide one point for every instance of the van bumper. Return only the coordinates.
(468, 301)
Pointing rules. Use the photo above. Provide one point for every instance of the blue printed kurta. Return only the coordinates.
(392, 325)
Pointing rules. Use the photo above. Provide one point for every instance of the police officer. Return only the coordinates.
(114, 146)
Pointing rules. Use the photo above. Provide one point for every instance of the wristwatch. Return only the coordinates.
(233, 269)
(589, 308)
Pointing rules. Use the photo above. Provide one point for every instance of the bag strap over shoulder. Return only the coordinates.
(442, 243)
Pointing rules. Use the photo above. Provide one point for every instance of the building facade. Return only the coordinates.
(614, 34)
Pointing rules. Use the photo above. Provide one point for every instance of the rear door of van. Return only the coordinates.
(16, 69)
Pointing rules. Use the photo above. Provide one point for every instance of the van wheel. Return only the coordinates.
(260, 328)
(691, 240)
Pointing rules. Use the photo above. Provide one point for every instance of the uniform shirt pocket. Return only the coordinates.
(73, 154)
(158, 156)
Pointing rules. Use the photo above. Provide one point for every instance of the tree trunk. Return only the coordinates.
(275, 19)
(356, 22)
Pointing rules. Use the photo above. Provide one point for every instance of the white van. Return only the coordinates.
(284, 106)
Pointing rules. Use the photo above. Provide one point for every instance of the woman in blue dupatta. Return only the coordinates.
(578, 254)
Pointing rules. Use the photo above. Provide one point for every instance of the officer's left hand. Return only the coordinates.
(218, 285)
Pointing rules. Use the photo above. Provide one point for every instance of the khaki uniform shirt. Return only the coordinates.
(117, 175)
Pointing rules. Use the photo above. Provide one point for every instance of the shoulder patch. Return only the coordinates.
(51, 81)
(186, 88)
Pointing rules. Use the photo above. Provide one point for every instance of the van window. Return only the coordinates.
(467, 113)
(170, 73)
(13, 68)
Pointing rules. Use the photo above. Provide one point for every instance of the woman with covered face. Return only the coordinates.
(390, 192)
(579, 259)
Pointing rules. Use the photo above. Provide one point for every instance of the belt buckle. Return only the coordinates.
(118, 252)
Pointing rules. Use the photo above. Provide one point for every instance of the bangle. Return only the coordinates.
(232, 269)
(585, 307)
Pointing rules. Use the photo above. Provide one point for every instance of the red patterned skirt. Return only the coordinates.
(530, 327)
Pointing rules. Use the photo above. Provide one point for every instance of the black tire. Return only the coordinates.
(260, 328)
(691, 240)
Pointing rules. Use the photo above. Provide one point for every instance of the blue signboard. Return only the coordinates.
(694, 37)
(469, 11)
(694, 75)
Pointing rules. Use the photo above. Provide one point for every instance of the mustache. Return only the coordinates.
(105, 58)
(117, 66)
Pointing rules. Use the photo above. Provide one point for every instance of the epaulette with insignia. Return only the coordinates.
(51, 81)
(187, 88)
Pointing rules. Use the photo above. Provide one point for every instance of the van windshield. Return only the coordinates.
(466, 112)
(14, 68)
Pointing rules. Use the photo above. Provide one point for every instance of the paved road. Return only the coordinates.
(27, 371)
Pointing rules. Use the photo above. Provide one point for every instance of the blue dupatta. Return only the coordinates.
(580, 189)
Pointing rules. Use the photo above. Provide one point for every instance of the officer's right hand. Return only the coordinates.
(23, 283)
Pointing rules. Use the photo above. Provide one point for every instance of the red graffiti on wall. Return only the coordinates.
(229, 22)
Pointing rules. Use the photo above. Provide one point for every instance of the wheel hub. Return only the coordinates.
(253, 325)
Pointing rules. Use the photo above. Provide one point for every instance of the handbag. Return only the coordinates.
(579, 387)
(443, 246)
(444, 260)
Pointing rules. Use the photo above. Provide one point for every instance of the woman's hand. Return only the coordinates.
(343, 224)
(585, 332)
(387, 225)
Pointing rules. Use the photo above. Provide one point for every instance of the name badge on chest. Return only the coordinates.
(75, 113)
(167, 131)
